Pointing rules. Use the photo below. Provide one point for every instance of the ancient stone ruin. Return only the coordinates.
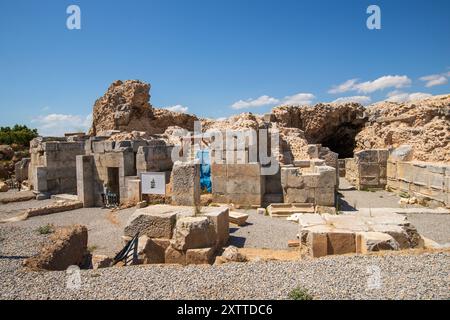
(289, 161)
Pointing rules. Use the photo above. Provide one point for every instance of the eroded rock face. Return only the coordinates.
(332, 125)
(125, 107)
(423, 124)
(67, 247)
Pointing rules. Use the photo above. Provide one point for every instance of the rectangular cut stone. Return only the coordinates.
(152, 222)
(317, 244)
(221, 221)
(186, 183)
(173, 256)
(341, 242)
(200, 256)
(374, 241)
(369, 170)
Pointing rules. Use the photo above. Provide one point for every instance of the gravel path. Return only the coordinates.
(424, 276)
(105, 228)
(263, 232)
(351, 199)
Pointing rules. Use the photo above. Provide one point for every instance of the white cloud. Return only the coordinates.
(57, 124)
(358, 99)
(177, 108)
(383, 83)
(251, 103)
(398, 96)
(299, 99)
(344, 87)
(372, 86)
(435, 79)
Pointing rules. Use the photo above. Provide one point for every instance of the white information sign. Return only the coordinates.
(153, 183)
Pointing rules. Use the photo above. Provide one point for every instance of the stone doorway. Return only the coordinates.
(113, 181)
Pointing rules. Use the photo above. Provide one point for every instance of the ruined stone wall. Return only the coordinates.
(315, 185)
(428, 182)
(52, 168)
(367, 169)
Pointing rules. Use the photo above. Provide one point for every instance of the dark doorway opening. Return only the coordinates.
(342, 140)
(113, 181)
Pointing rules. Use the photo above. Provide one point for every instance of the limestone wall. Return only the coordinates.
(367, 169)
(240, 184)
(52, 168)
(428, 182)
(315, 185)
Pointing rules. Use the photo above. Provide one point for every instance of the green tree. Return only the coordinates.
(19, 134)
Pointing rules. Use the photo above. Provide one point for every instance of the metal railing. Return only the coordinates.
(110, 200)
(129, 253)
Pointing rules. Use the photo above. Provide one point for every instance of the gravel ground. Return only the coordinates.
(15, 208)
(432, 226)
(263, 232)
(424, 276)
(351, 199)
(413, 276)
(105, 228)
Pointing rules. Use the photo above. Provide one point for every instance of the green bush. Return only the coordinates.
(47, 229)
(20, 135)
(300, 294)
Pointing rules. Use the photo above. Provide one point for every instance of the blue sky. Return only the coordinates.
(216, 57)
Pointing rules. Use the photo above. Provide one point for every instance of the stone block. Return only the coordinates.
(101, 261)
(219, 217)
(325, 197)
(194, 233)
(174, 256)
(314, 180)
(243, 185)
(436, 181)
(152, 251)
(402, 153)
(219, 184)
(391, 170)
(218, 170)
(404, 171)
(369, 170)
(365, 156)
(302, 163)
(186, 183)
(341, 242)
(200, 256)
(308, 220)
(151, 222)
(383, 155)
(375, 241)
(317, 243)
(293, 195)
(243, 170)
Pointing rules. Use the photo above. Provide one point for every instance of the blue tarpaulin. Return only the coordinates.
(205, 169)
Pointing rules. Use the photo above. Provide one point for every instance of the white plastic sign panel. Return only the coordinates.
(153, 183)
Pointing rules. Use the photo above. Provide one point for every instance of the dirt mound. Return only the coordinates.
(126, 107)
(423, 124)
(68, 246)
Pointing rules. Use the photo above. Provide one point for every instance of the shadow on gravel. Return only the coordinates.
(345, 206)
(237, 241)
(13, 257)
